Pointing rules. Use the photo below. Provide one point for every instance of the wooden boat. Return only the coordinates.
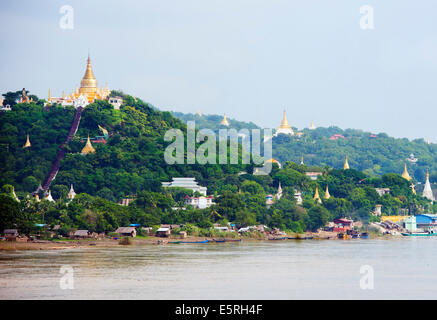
(282, 238)
(419, 234)
(364, 235)
(175, 242)
(222, 240)
(300, 238)
(232, 240)
(203, 241)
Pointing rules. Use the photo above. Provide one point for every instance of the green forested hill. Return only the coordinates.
(131, 160)
(374, 154)
(212, 121)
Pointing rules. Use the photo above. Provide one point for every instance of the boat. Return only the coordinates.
(419, 234)
(175, 242)
(232, 240)
(364, 235)
(300, 238)
(215, 240)
(203, 241)
(282, 238)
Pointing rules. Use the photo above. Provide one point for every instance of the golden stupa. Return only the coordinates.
(301, 159)
(88, 88)
(316, 195)
(27, 145)
(284, 127)
(327, 195)
(346, 164)
(405, 174)
(88, 85)
(88, 147)
(224, 121)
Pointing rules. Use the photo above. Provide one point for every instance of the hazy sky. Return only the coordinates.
(250, 59)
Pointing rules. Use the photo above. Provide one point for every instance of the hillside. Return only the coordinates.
(375, 154)
(212, 121)
(132, 162)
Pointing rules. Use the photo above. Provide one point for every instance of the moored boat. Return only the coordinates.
(202, 241)
(364, 235)
(419, 234)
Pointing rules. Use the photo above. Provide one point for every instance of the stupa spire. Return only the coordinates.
(327, 195)
(346, 164)
(405, 174)
(316, 195)
(427, 191)
(27, 144)
(224, 121)
(88, 147)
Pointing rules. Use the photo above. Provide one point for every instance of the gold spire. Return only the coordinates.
(50, 95)
(346, 164)
(284, 123)
(405, 174)
(27, 145)
(301, 159)
(327, 195)
(312, 127)
(224, 121)
(88, 147)
(316, 195)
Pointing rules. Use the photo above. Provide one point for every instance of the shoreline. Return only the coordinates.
(110, 243)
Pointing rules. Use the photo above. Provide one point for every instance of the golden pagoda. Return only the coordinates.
(327, 195)
(88, 85)
(224, 121)
(284, 127)
(88, 147)
(301, 159)
(316, 195)
(312, 127)
(405, 174)
(27, 145)
(50, 96)
(346, 164)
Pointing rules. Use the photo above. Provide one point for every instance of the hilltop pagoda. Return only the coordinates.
(284, 127)
(224, 121)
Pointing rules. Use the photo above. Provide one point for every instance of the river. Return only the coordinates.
(403, 268)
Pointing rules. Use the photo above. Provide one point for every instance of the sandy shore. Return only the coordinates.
(91, 243)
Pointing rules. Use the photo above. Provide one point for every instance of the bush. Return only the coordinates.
(126, 241)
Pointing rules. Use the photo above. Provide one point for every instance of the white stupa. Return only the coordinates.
(427, 191)
(71, 193)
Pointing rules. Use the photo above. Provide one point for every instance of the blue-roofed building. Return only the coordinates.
(426, 222)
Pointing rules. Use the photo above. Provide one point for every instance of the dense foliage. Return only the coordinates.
(132, 162)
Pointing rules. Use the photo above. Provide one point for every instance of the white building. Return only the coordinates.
(187, 183)
(199, 202)
(116, 102)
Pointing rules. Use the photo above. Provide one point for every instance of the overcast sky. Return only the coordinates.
(250, 59)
